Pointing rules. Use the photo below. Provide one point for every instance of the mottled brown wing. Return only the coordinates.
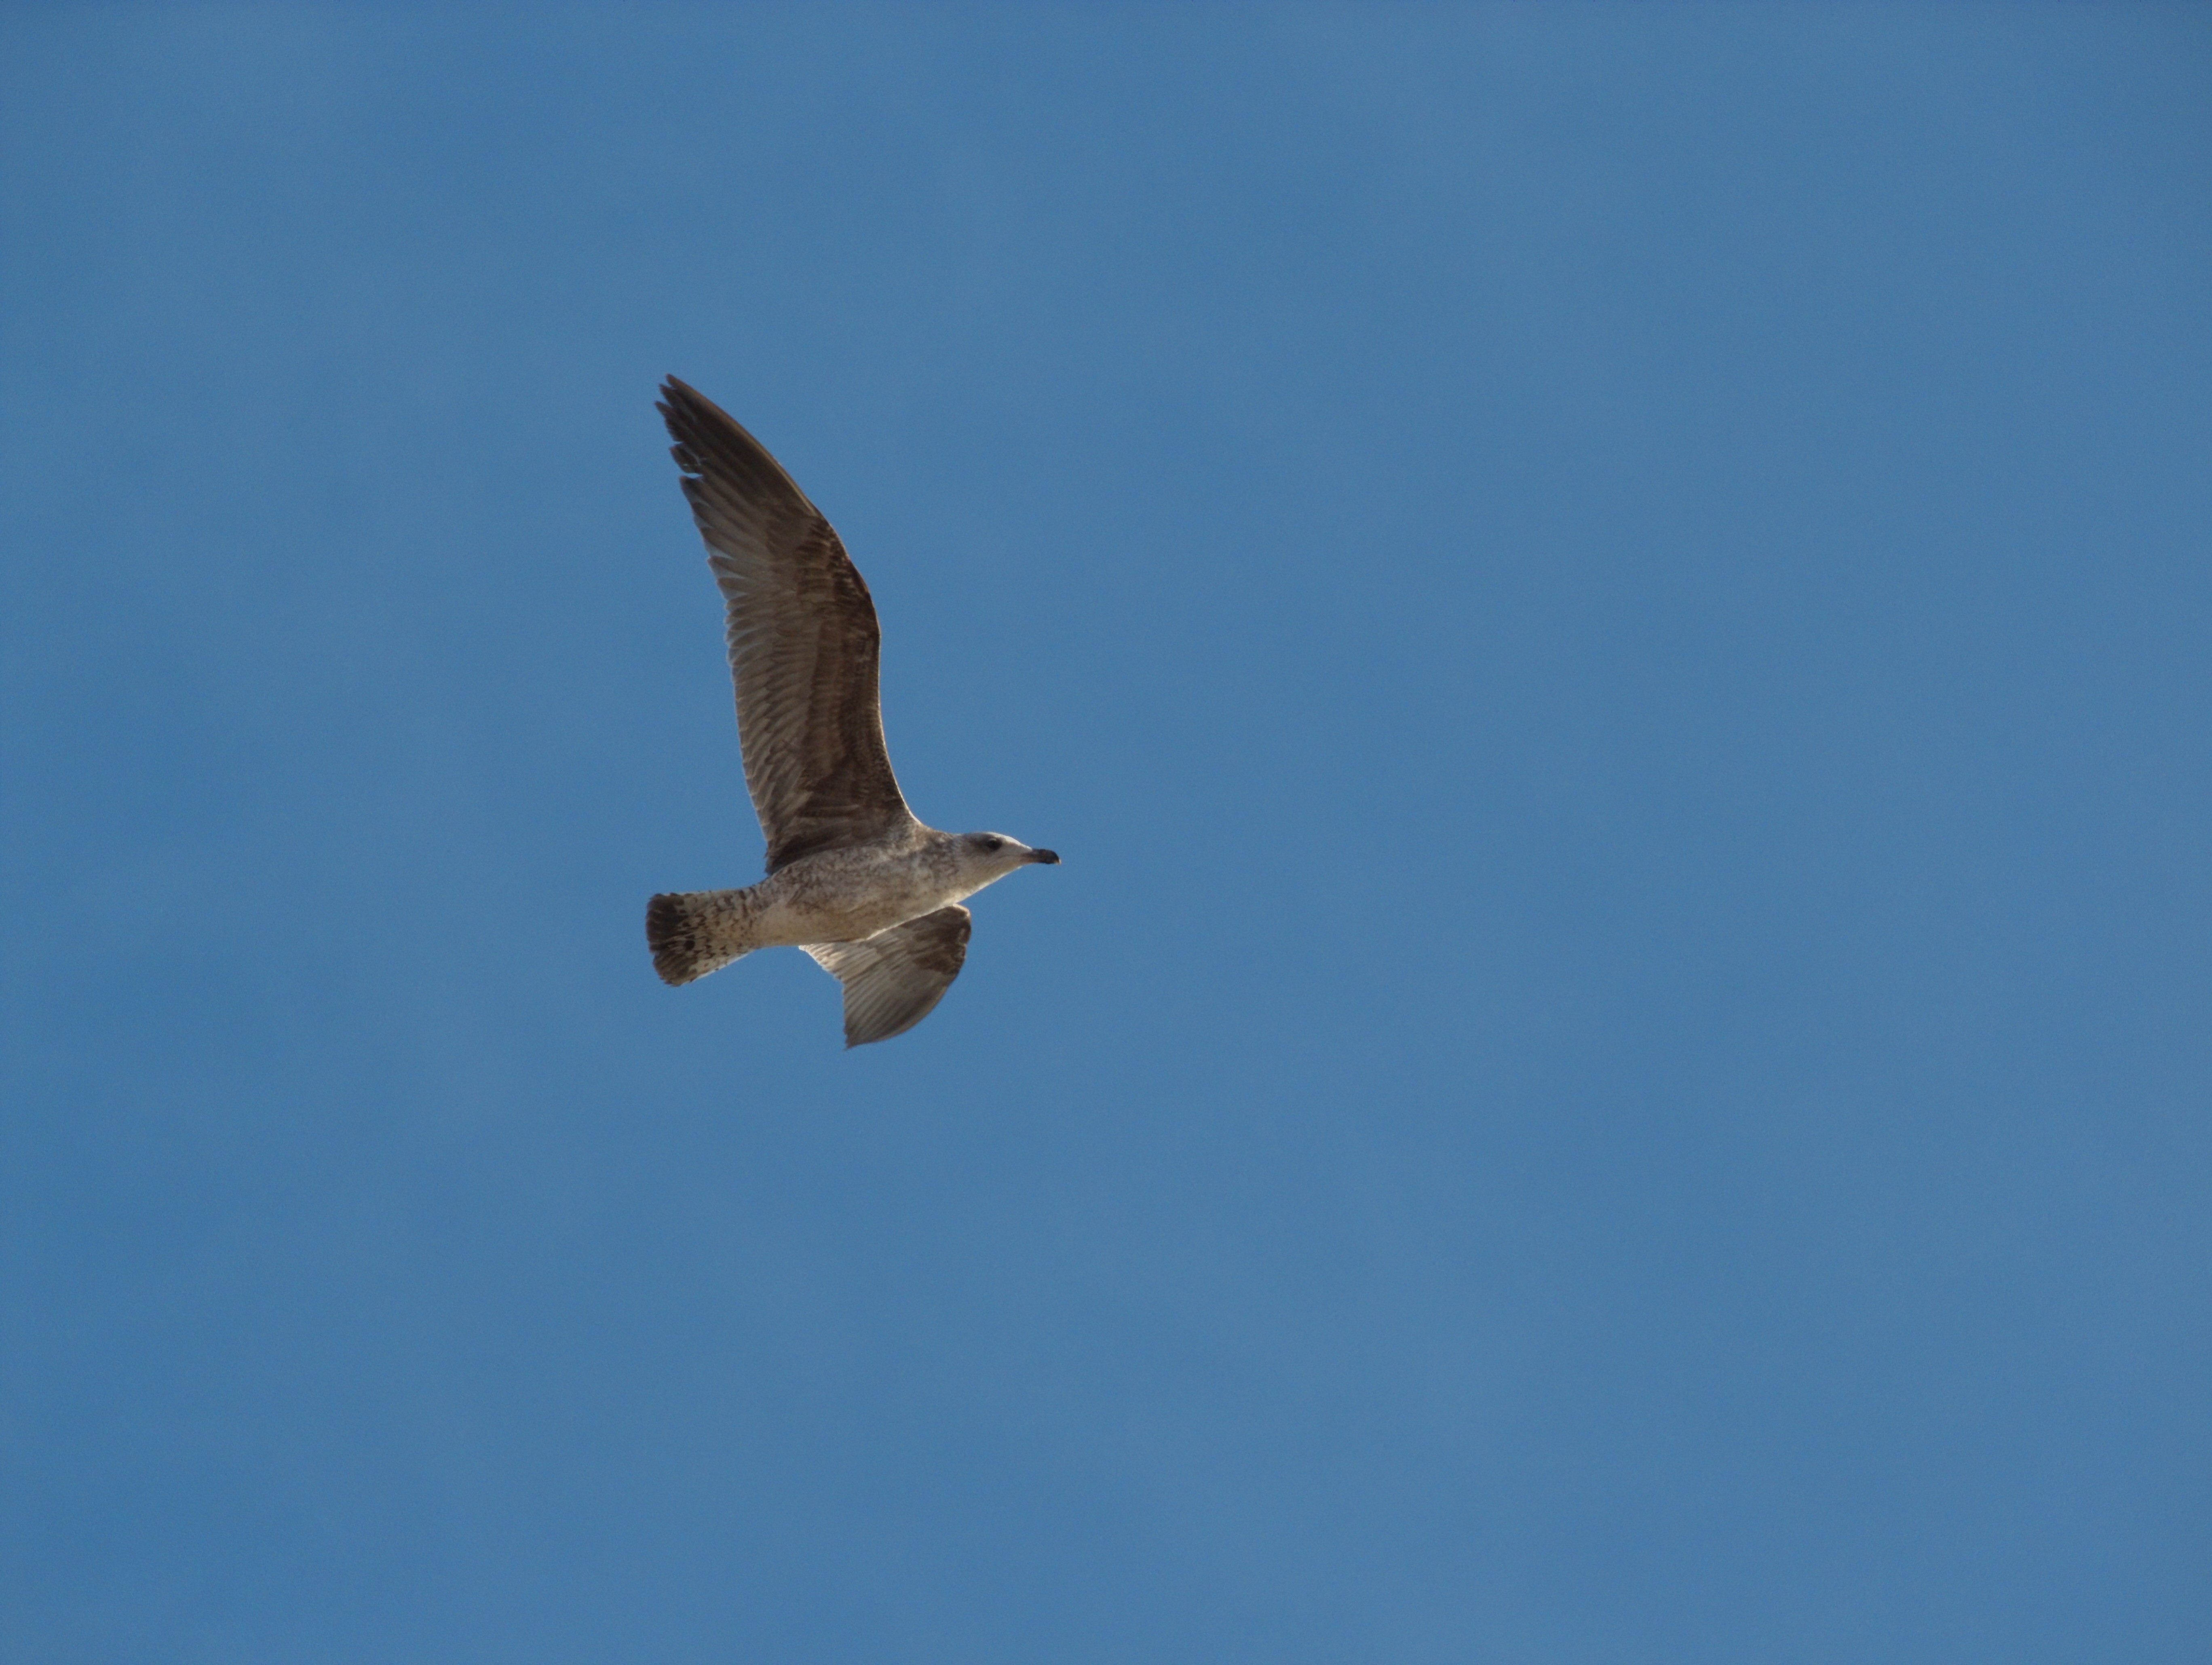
(895, 978)
(802, 638)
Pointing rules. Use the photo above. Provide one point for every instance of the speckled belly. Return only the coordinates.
(841, 896)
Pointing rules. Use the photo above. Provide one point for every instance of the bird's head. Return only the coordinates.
(987, 855)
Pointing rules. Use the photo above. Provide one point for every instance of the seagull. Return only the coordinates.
(852, 877)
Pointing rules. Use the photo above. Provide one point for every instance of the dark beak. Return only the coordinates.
(1050, 858)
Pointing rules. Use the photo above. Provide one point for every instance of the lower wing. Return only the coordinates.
(895, 978)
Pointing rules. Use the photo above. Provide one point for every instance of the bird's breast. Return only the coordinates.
(842, 895)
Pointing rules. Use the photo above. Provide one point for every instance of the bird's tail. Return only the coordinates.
(697, 932)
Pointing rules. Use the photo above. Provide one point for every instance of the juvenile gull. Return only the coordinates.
(852, 877)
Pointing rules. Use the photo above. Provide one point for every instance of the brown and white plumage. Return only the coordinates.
(853, 877)
(803, 639)
(895, 978)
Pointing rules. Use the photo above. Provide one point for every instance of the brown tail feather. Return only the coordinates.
(693, 933)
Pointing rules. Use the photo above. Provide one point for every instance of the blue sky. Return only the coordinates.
(1607, 605)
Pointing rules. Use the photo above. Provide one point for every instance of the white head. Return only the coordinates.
(983, 857)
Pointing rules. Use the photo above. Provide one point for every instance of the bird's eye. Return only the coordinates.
(994, 843)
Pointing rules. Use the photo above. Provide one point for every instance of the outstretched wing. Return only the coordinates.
(895, 978)
(802, 636)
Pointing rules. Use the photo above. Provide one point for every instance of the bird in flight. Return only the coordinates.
(852, 877)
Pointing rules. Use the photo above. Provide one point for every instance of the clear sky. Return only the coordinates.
(1608, 607)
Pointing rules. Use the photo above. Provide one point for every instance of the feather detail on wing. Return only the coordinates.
(895, 978)
(803, 641)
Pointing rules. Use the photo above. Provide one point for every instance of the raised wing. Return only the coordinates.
(802, 636)
(895, 978)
